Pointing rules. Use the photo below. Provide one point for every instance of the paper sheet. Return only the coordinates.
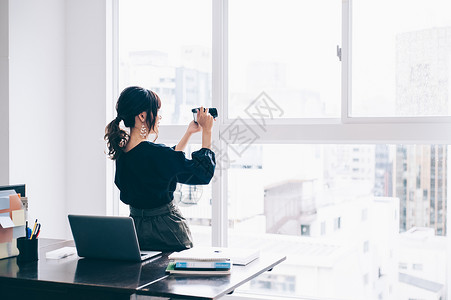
(61, 253)
(18, 217)
(6, 222)
(4, 202)
(4, 250)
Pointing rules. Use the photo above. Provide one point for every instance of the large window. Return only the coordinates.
(342, 213)
(165, 46)
(401, 66)
(332, 137)
(286, 49)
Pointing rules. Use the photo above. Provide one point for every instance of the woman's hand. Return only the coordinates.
(193, 127)
(204, 119)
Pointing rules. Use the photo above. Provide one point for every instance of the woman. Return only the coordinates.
(147, 173)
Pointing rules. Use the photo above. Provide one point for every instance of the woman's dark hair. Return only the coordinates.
(132, 101)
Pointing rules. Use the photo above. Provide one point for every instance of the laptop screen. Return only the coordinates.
(105, 237)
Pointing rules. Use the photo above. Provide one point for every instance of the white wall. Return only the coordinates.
(87, 88)
(4, 92)
(37, 108)
(54, 91)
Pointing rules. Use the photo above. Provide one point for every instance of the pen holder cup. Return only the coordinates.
(28, 249)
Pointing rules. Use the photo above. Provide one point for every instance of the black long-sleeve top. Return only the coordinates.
(147, 175)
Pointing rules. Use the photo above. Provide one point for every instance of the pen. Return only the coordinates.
(26, 230)
(34, 228)
(36, 232)
(39, 231)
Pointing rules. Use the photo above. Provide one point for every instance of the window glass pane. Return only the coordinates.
(355, 221)
(401, 58)
(165, 46)
(194, 201)
(285, 49)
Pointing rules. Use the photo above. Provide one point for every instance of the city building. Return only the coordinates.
(422, 273)
(383, 178)
(180, 87)
(354, 258)
(423, 85)
(421, 172)
(422, 72)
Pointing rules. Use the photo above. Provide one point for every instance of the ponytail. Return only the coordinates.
(116, 139)
(132, 101)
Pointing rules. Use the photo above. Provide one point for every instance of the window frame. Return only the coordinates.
(343, 130)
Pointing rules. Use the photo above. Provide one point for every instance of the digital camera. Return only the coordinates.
(213, 112)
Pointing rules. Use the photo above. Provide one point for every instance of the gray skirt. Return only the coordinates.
(162, 228)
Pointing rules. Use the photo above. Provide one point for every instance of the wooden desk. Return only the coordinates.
(75, 278)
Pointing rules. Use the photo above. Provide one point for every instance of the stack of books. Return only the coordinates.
(209, 260)
(199, 261)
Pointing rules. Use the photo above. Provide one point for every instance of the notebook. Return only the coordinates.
(105, 237)
(238, 256)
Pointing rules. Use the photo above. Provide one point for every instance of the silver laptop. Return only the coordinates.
(103, 237)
